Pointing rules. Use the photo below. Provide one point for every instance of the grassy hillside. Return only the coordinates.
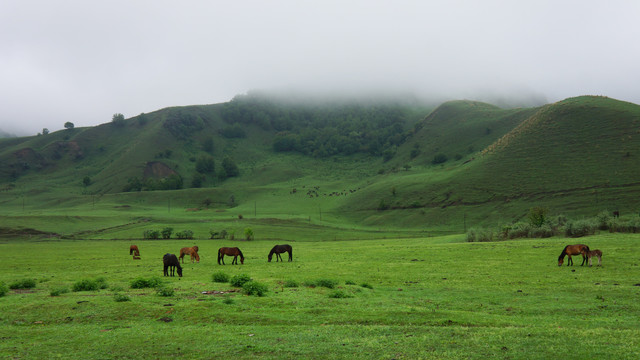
(575, 157)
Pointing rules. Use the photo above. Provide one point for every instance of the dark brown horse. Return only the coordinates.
(193, 251)
(171, 263)
(597, 253)
(133, 250)
(279, 249)
(235, 252)
(578, 249)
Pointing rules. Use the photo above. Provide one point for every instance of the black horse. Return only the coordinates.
(279, 249)
(171, 263)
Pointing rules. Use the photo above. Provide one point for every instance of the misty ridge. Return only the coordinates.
(328, 98)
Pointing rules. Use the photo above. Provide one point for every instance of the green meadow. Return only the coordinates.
(429, 297)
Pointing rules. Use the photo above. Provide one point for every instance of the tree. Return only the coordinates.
(205, 165)
(68, 125)
(537, 216)
(230, 167)
(118, 119)
(86, 181)
(45, 131)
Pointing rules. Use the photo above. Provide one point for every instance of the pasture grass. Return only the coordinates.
(427, 298)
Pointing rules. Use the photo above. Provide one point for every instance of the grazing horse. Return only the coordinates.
(133, 250)
(573, 250)
(279, 249)
(171, 263)
(193, 251)
(231, 252)
(597, 253)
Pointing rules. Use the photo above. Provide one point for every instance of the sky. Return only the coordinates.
(83, 61)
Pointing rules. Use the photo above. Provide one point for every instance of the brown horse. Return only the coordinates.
(279, 249)
(193, 251)
(171, 265)
(578, 249)
(133, 250)
(597, 253)
(231, 252)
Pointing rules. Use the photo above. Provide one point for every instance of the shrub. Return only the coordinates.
(59, 291)
(520, 230)
(537, 216)
(254, 288)
(220, 277)
(185, 234)
(545, 231)
(479, 235)
(439, 159)
(580, 228)
(166, 233)
(3, 289)
(603, 219)
(142, 283)
(165, 291)
(248, 234)
(151, 234)
(239, 280)
(23, 284)
(121, 298)
(89, 285)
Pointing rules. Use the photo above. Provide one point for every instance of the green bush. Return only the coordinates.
(185, 234)
(121, 298)
(90, 285)
(544, 231)
(220, 277)
(142, 283)
(165, 291)
(3, 289)
(479, 235)
(166, 232)
(254, 288)
(603, 219)
(59, 291)
(580, 228)
(151, 234)
(23, 284)
(537, 216)
(520, 230)
(239, 280)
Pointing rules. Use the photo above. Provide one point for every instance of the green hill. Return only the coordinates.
(367, 166)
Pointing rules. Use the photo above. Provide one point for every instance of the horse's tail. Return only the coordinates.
(291, 253)
(218, 257)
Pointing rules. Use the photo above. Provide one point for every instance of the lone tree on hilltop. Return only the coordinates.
(68, 125)
(118, 119)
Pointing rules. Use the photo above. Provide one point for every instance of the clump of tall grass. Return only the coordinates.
(326, 283)
(142, 283)
(339, 294)
(239, 280)
(290, 284)
(254, 288)
(121, 298)
(89, 285)
(59, 291)
(23, 284)
(3, 289)
(165, 291)
(220, 277)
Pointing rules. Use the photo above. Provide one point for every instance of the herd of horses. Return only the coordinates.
(579, 249)
(172, 262)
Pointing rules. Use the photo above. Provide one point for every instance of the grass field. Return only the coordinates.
(437, 297)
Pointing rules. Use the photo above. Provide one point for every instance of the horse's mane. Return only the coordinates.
(240, 252)
(563, 253)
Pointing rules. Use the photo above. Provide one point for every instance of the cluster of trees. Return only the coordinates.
(322, 130)
(173, 182)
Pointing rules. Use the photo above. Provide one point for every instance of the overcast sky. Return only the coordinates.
(82, 61)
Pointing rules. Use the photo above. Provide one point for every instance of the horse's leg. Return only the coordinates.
(166, 273)
(290, 255)
(584, 259)
(278, 257)
(570, 261)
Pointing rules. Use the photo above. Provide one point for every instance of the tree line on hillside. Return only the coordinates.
(321, 130)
